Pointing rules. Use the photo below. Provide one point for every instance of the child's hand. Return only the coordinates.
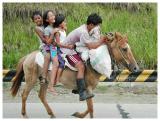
(71, 46)
(56, 30)
(54, 43)
(103, 38)
(48, 42)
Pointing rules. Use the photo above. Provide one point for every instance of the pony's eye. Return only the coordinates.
(125, 49)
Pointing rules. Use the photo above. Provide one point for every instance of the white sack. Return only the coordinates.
(100, 60)
(81, 48)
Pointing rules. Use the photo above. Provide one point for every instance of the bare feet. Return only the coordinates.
(58, 83)
(52, 91)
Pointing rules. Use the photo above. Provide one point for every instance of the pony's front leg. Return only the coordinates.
(80, 115)
(90, 102)
(90, 107)
(89, 110)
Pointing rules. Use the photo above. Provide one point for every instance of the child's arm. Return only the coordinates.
(94, 45)
(40, 34)
(49, 39)
(88, 41)
(57, 38)
(48, 36)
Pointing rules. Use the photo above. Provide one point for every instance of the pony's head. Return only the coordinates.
(121, 51)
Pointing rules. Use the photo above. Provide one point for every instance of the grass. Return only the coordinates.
(138, 22)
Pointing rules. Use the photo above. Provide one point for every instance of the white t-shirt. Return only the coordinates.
(92, 36)
(62, 36)
(80, 34)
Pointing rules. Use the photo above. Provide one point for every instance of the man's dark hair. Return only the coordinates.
(59, 19)
(35, 13)
(94, 19)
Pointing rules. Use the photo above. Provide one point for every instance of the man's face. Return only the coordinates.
(90, 27)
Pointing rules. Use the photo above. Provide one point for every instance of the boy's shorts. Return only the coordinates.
(73, 59)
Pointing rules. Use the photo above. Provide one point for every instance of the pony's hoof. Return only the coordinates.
(77, 114)
(52, 116)
(25, 116)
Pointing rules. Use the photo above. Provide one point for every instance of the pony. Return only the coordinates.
(29, 70)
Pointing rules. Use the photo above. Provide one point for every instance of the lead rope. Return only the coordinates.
(113, 63)
(130, 89)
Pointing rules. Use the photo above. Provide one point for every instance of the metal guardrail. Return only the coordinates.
(8, 75)
(118, 76)
(127, 76)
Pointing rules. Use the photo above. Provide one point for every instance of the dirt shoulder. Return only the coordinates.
(141, 93)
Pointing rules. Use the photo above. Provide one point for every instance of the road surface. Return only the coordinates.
(119, 100)
(65, 110)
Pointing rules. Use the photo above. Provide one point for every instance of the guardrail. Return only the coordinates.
(8, 75)
(118, 76)
(127, 76)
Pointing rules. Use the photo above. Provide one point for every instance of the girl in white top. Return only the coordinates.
(60, 36)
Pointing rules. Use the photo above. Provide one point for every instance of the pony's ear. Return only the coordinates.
(110, 36)
(126, 38)
(118, 35)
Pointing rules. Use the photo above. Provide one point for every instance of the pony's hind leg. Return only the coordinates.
(30, 71)
(25, 94)
(42, 96)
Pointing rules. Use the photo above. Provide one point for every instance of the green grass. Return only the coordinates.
(139, 25)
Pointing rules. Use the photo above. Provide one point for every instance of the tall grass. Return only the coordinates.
(137, 20)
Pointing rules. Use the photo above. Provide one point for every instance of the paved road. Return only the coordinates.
(64, 110)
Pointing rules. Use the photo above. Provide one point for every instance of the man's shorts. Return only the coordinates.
(73, 59)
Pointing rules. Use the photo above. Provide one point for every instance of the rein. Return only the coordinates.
(122, 54)
(113, 61)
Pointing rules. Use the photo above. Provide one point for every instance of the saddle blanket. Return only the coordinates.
(40, 61)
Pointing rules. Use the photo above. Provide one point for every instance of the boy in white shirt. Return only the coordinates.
(85, 33)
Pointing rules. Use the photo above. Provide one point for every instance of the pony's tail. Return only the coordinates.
(16, 81)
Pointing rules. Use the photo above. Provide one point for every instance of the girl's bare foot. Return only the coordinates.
(52, 91)
(58, 83)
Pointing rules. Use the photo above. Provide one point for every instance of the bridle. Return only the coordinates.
(121, 51)
(111, 38)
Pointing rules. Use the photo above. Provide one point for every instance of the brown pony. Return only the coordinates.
(27, 68)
